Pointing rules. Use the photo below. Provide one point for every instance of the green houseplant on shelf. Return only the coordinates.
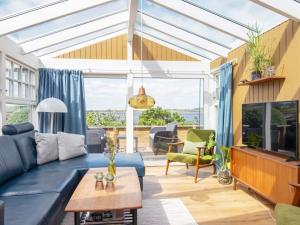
(258, 52)
(223, 157)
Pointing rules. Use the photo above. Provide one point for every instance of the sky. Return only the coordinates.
(108, 93)
(105, 93)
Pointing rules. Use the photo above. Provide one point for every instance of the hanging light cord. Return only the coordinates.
(142, 43)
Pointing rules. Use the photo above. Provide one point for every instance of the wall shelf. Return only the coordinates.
(261, 80)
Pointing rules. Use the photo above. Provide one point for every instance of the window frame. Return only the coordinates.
(30, 85)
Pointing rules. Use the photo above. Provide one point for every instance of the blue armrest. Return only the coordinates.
(1, 213)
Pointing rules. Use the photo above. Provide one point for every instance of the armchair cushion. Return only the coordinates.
(188, 158)
(287, 214)
(191, 147)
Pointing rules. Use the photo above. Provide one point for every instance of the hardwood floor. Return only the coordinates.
(209, 202)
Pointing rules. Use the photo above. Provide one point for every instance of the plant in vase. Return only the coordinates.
(111, 153)
(259, 54)
(224, 176)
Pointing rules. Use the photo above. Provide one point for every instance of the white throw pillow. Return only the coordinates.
(46, 147)
(70, 145)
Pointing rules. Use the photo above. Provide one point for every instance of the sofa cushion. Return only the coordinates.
(27, 148)
(10, 161)
(70, 145)
(287, 214)
(39, 180)
(46, 147)
(17, 128)
(30, 209)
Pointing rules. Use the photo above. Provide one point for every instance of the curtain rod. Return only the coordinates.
(217, 70)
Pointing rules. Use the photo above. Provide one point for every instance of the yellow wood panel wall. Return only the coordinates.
(116, 49)
(154, 51)
(285, 44)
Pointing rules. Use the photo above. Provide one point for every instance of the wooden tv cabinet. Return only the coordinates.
(268, 175)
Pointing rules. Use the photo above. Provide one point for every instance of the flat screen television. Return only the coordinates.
(271, 126)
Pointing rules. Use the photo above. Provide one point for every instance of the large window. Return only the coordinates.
(181, 100)
(20, 88)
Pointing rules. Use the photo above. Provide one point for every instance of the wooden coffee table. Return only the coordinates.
(125, 195)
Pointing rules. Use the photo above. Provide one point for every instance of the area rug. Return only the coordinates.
(157, 212)
(164, 212)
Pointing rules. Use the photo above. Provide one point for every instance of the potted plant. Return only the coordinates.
(211, 142)
(111, 153)
(259, 54)
(224, 176)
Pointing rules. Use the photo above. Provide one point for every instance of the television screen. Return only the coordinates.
(272, 126)
(283, 128)
(254, 125)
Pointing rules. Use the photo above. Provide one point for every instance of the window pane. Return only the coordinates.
(24, 75)
(186, 23)
(17, 69)
(22, 94)
(32, 93)
(8, 70)
(173, 97)
(105, 101)
(7, 88)
(8, 7)
(32, 77)
(176, 42)
(70, 20)
(17, 113)
(16, 89)
(248, 12)
(85, 39)
(27, 91)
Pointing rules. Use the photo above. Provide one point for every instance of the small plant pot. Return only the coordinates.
(255, 75)
(224, 177)
(99, 186)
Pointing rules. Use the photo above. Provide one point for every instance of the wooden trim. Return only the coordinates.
(261, 80)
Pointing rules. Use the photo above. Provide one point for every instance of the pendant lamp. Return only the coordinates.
(141, 100)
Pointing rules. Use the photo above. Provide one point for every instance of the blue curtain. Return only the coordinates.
(224, 126)
(68, 86)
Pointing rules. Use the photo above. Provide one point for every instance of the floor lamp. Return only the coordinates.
(52, 105)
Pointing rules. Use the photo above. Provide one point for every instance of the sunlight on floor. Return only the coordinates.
(209, 202)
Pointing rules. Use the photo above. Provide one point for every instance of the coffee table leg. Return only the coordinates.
(76, 218)
(134, 215)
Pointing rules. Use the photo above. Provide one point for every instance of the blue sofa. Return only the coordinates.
(37, 195)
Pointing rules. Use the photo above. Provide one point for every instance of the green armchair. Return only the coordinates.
(200, 156)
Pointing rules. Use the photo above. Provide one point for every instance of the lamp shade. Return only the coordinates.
(141, 101)
(52, 105)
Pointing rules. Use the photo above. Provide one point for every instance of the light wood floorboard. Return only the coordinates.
(209, 202)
